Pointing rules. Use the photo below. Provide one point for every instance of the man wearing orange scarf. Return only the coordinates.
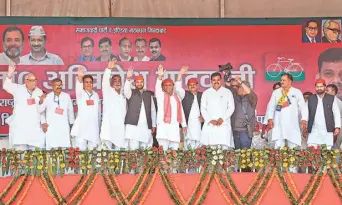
(170, 113)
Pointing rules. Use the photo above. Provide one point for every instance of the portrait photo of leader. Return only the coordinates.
(311, 31)
(13, 44)
(331, 31)
(330, 68)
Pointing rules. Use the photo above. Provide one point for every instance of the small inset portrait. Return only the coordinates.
(311, 31)
(331, 31)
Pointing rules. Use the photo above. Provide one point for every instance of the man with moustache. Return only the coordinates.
(59, 116)
(114, 111)
(170, 113)
(141, 114)
(324, 117)
(155, 49)
(217, 107)
(125, 48)
(13, 43)
(38, 54)
(105, 45)
(140, 49)
(191, 101)
(284, 107)
(330, 68)
(332, 31)
(25, 126)
(86, 127)
(311, 31)
(87, 46)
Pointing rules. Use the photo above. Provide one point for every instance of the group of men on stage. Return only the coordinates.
(224, 114)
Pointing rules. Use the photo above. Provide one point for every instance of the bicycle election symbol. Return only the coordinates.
(284, 66)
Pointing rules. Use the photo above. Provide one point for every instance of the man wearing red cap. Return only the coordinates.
(191, 101)
(141, 114)
(170, 113)
(114, 111)
(324, 117)
(282, 113)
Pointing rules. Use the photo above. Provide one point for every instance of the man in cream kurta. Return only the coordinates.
(283, 111)
(59, 116)
(114, 111)
(191, 100)
(168, 104)
(217, 107)
(324, 117)
(86, 128)
(25, 126)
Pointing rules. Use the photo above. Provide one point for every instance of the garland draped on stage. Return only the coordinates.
(213, 165)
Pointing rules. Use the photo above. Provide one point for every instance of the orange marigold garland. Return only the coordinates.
(335, 181)
(315, 190)
(25, 191)
(265, 190)
(284, 186)
(9, 187)
(262, 187)
(293, 184)
(86, 189)
(17, 191)
(170, 189)
(222, 191)
(205, 190)
(149, 187)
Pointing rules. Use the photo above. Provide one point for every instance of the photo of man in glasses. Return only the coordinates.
(331, 31)
(311, 32)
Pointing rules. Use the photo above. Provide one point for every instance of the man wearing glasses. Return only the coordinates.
(59, 116)
(331, 30)
(311, 31)
(25, 127)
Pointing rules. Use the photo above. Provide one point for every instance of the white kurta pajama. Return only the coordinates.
(25, 123)
(193, 134)
(319, 134)
(286, 121)
(114, 112)
(168, 133)
(216, 104)
(139, 136)
(86, 126)
(59, 116)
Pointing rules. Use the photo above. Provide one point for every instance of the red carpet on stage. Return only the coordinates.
(158, 194)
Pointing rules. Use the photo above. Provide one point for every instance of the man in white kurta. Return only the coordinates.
(191, 100)
(141, 116)
(59, 116)
(283, 111)
(217, 107)
(25, 126)
(170, 113)
(86, 127)
(114, 111)
(320, 107)
(333, 90)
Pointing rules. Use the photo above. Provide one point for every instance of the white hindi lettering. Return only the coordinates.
(6, 103)
(4, 116)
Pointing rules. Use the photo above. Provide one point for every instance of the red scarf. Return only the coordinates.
(167, 109)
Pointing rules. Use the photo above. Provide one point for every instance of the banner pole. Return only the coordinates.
(8, 7)
(222, 9)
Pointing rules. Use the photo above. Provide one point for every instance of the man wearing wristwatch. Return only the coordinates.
(324, 117)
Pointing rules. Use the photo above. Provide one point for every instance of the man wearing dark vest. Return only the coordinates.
(324, 117)
(141, 114)
(191, 101)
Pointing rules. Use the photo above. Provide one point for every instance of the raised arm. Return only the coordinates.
(178, 85)
(79, 83)
(127, 87)
(8, 85)
(158, 88)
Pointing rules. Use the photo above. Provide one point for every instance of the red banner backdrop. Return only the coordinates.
(250, 49)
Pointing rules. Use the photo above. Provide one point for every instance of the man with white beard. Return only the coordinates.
(59, 116)
(86, 128)
(25, 126)
(114, 111)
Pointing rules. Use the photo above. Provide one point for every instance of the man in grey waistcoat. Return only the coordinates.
(140, 119)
